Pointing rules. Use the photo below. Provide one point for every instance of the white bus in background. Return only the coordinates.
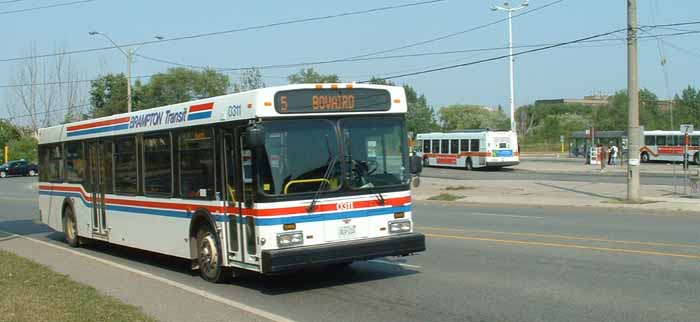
(468, 149)
(669, 146)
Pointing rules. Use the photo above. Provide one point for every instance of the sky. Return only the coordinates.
(583, 69)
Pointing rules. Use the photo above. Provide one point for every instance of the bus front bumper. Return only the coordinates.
(501, 163)
(279, 260)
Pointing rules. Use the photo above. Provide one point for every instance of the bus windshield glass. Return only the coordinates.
(374, 152)
(297, 157)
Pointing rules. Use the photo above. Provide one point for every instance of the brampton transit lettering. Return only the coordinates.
(158, 118)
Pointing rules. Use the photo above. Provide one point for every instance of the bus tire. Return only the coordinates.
(696, 158)
(426, 162)
(70, 227)
(209, 256)
(468, 165)
(645, 157)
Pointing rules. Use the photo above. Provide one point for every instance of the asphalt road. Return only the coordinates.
(484, 263)
(516, 174)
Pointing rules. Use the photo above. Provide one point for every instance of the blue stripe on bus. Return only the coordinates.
(260, 221)
(100, 129)
(199, 116)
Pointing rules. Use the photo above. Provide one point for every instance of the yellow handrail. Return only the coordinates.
(305, 181)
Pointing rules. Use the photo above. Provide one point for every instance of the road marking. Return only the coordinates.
(502, 215)
(261, 313)
(393, 263)
(634, 242)
(604, 249)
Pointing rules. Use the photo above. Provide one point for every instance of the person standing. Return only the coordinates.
(614, 151)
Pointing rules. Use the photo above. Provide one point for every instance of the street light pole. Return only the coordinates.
(506, 7)
(633, 129)
(129, 53)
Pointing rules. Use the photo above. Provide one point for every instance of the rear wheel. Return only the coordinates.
(209, 257)
(696, 158)
(70, 227)
(32, 173)
(468, 165)
(3, 174)
(426, 162)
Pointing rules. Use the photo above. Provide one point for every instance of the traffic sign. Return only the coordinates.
(687, 128)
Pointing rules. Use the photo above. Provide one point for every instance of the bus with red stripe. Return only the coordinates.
(468, 149)
(669, 146)
(270, 180)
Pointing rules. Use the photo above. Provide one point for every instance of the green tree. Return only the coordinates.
(179, 85)
(309, 75)
(250, 79)
(687, 107)
(24, 147)
(455, 117)
(8, 133)
(108, 95)
(420, 117)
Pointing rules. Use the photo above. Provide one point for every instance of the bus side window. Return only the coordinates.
(444, 146)
(454, 146)
(55, 163)
(418, 147)
(436, 146)
(125, 176)
(695, 140)
(464, 145)
(475, 145)
(650, 140)
(426, 146)
(75, 163)
(660, 140)
(197, 164)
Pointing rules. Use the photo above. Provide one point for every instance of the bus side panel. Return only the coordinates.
(49, 214)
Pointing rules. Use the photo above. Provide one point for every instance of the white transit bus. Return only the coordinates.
(669, 146)
(468, 149)
(269, 180)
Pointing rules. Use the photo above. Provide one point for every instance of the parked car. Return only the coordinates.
(18, 168)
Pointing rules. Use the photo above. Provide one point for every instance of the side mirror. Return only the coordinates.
(415, 164)
(255, 137)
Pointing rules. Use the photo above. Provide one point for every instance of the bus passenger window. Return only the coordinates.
(475, 145)
(197, 164)
(125, 165)
(444, 146)
(454, 146)
(75, 164)
(426, 146)
(436, 146)
(157, 169)
(464, 145)
(649, 140)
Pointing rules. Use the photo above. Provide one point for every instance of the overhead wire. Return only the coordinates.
(45, 7)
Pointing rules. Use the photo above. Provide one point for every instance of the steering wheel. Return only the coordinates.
(372, 166)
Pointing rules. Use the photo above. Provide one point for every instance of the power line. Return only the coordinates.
(43, 7)
(10, 1)
(427, 41)
(236, 70)
(215, 33)
(14, 117)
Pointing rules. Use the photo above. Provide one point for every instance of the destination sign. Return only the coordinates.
(332, 100)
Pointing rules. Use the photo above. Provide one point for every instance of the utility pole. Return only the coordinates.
(506, 7)
(633, 93)
(129, 53)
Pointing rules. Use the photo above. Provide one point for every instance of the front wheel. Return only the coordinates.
(696, 158)
(469, 165)
(32, 173)
(70, 228)
(3, 174)
(645, 157)
(209, 257)
(426, 162)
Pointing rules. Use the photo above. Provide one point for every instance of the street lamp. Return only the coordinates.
(508, 8)
(129, 53)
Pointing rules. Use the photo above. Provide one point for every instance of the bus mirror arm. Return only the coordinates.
(255, 137)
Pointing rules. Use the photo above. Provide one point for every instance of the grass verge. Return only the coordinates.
(455, 188)
(32, 292)
(445, 197)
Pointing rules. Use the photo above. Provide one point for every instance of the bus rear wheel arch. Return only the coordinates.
(696, 158)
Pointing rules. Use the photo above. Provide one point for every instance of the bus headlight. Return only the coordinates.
(399, 226)
(294, 238)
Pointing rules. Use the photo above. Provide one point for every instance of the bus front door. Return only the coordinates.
(247, 210)
(233, 197)
(99, 153)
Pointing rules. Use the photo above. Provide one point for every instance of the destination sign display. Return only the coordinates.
(332, 100)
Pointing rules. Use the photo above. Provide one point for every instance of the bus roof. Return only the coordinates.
(461, 133)
(328, 99)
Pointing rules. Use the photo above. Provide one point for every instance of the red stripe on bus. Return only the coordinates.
(98, 124)
(201, 107)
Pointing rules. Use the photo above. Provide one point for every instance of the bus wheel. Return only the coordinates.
(469, 165)
(70, 228)
(426, 162)
(645, 157)
(209, 256)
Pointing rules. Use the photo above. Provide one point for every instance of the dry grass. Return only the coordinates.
(445, 197)
(32, 292)
(456, 188)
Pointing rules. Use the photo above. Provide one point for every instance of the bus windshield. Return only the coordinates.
(298, 153)
(297, 156)
(375, 153)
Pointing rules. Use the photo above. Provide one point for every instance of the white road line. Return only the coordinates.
(393, 263)
(502, 215)
(193, 290)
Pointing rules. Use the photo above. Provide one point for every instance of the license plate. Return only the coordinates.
(345, 232)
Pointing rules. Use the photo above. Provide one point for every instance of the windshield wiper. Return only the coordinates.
(326, 177)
